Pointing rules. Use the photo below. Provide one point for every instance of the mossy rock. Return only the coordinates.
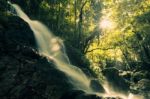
(24, 73)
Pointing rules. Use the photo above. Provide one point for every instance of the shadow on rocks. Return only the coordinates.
(79, 94)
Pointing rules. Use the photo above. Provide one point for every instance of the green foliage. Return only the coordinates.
(128, 40)
(124, 40)
(75, 21)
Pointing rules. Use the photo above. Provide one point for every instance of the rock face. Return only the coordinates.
(24, 74)
(113, 78)
(96, 86)
(137, 76)
(78, 94)
(142, 87)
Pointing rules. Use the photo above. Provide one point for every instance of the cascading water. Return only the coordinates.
(53, 48)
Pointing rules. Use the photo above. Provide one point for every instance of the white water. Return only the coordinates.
(53, 48)
(111, 93)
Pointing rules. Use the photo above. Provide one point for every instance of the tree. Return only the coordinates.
(129, 36)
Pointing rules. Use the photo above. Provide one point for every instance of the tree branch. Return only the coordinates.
(133, 47)
(100, 49)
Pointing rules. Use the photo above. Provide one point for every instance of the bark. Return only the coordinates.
(80, 24)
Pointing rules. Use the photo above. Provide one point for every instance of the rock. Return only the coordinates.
(144, 84)
(14, 32)
(116, 82)
(96, 86)
(24, 74)
(137, 76)
(88, 96)
(27, 78)
(112, 98)
(87, 72)
(79, 94)
(29, 51)
(72, 94)
(76, 57)
(126, 75)
(142, 88)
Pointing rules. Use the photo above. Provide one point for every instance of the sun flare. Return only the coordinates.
(106, 24)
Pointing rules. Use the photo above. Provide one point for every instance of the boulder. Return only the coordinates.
(88, 96)
(96, 86)
(24, 74)
(116, 82)
(126, 75)
(142, 88)
(144, 85)
(79, 94)
(137, 76)
(72, 94)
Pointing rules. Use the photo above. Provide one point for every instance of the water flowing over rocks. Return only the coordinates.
(117, 82)
(142, 87)
(24, 73)
(96, 86)
(78, 94)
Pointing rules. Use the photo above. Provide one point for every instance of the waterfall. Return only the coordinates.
(53, 48)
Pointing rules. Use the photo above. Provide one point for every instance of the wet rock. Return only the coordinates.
(126, 74)
(88, 96)
(15, 31)
(29, 51)
(96, 86)
(142, 88)
(79, 94)
(137, 76)
(144, 85)
(116, 82)
(24, 74)
(112, 98)
(72, 94)
(27, 78)
(87, 72)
